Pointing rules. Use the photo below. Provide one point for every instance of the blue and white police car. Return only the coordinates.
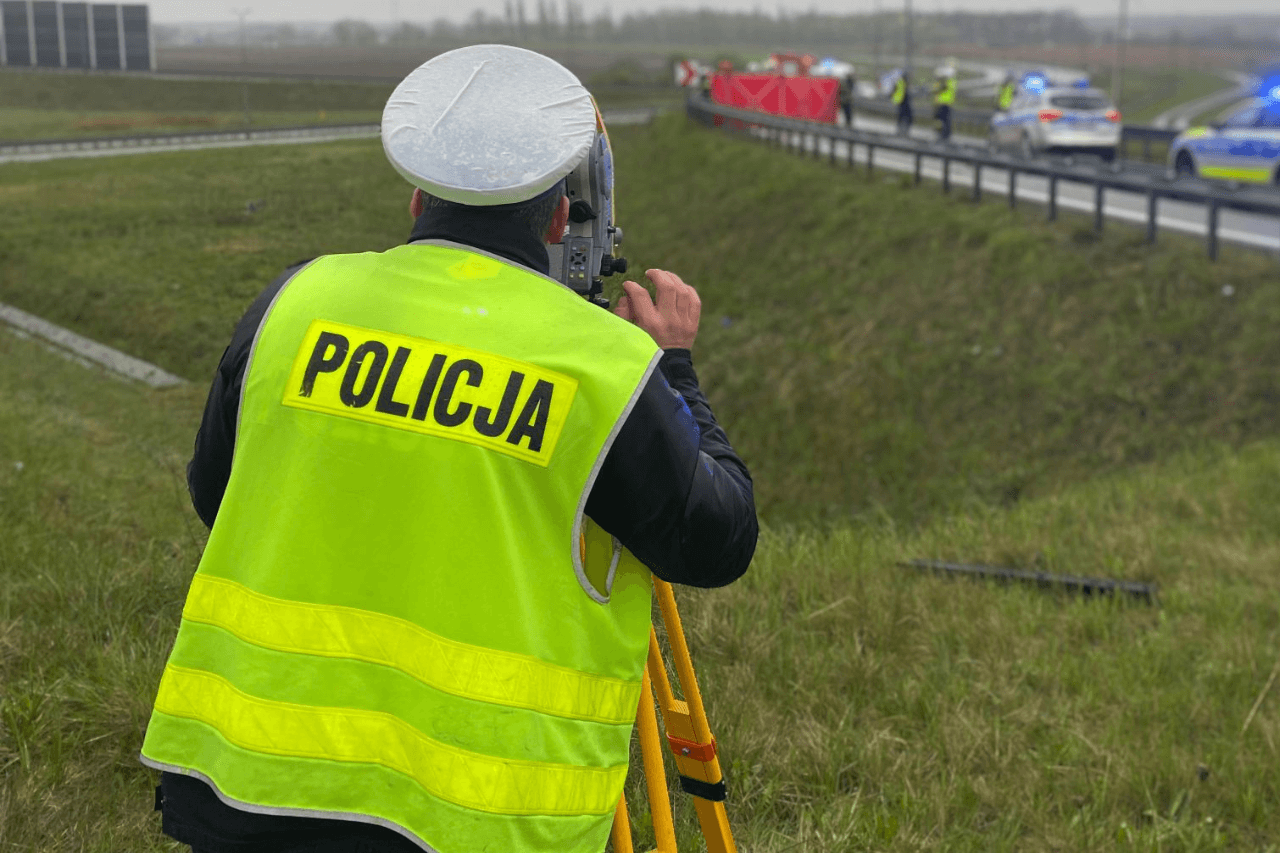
(1245, 147)
(1046, 117)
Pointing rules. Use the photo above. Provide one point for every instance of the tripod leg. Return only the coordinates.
(688, 731)
(655, 775)
(620, 835)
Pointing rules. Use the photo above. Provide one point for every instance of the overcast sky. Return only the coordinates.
(381, 11)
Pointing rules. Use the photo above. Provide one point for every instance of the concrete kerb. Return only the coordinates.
(83, 350)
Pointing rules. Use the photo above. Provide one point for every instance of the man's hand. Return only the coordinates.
(673, 321)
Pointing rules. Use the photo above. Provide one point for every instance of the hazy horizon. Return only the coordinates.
(178, 12)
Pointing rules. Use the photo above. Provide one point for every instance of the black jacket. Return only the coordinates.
(671, 489)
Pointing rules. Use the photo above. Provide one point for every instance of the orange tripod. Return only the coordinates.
(690, 739)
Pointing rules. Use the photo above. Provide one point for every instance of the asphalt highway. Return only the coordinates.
(1257, 231)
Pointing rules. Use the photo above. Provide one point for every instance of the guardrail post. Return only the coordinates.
(977, 182)
(1097, 207)
(1013, 188)
(1146, 149)
(1151, 217)
(919, 158)
(946, 174)
(851, 147)
(817, 144)
(1213, 229)
(832, 140)
(1052, 213)
(871, 158)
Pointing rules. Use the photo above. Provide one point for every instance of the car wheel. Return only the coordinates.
(1108, 155)
(1184, 166)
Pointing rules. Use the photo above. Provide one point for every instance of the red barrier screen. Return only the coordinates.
(812, 98)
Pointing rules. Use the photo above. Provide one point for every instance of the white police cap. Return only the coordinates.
(488, 124)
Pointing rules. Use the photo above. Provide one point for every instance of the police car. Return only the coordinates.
(1049, 118)
(1246, 147)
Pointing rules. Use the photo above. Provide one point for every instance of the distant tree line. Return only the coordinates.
(551, 21)
(534, 22)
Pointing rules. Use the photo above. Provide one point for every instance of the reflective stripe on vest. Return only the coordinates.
(463, 670)
(480, 782)
(392, 621)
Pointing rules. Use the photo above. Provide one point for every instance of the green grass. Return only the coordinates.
(873, 708)
(71, 124)
(99, 543)
(44, 106)
(858, 705)
(136, 92)
(907, 376)
(56, 106)
(878, 350)
(1150, 91)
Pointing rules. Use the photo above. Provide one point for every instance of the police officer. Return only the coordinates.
(438, 481)
(846, 93)
(902, 97)
(944, 97)
(1004, 97)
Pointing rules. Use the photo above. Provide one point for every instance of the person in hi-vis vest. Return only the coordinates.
(902, 98)
(1005, 94)
(437, 482)
(944, 98)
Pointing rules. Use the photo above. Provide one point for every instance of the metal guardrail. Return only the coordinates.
(99, 143)
(805, 134)
(1146, 136)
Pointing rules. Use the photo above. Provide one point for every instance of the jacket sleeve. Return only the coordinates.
(210, 465)
(672, 489)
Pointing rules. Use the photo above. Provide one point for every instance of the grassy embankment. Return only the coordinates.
(1150, 91)
(907, 376)
(56, 106)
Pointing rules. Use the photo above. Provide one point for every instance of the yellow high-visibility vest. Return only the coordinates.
(402, 616)
(1006, 96)
(946, 92)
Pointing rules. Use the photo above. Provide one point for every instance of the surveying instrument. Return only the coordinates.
(584, 257)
